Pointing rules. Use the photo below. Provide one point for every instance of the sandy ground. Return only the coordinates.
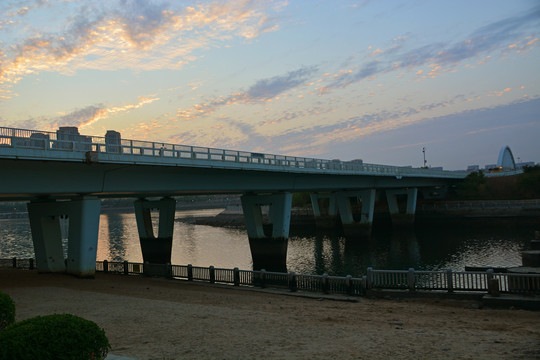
(148, 318)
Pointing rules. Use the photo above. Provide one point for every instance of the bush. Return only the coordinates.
(473, 187)
(529, 182)
(58, 337)
(7, 310)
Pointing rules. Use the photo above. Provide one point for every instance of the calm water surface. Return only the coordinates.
(428, 248)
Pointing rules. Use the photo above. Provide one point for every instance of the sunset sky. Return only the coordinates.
(376, 80)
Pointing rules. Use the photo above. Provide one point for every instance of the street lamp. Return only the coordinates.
(424, 152)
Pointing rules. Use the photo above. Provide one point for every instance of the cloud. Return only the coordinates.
(517, 33)
(314, 139)
(132, 34)
(80, 117)
(269, 88)
(84, 117)
(367, 70)
(325, 139)
(499, 93)
(497, 128)
(263, 90)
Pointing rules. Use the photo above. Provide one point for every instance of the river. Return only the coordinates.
(492, 243)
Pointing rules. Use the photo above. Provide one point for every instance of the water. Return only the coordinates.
(427, 248)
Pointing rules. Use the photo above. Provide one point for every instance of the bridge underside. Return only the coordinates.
(72, 190)
(30, 180)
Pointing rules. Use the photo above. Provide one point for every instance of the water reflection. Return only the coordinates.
(118, 238)
(15, 238)
(425, 247)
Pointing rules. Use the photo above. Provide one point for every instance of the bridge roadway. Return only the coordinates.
(65, 175)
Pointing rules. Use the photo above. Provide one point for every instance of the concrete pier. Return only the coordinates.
(268, 242)
(325, 210)
(83, 217)
(406, 217)
(356, 228)
(155, 249)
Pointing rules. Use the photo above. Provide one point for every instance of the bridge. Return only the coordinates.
(64, 175)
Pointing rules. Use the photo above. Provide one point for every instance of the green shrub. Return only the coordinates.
(7, 310)
(58, 337)
(473, 187)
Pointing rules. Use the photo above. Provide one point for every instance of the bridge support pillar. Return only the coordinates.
(400, 218)
(155, 250)
(356, 227)
(268, 242)
(325, 215)
(83, 217)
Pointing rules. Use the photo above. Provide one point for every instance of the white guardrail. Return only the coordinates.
(62, 141)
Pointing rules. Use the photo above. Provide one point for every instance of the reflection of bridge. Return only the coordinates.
(65, 174)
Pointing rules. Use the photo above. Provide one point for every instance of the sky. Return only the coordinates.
(373, 80)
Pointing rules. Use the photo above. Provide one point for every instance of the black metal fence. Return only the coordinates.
(411, 280)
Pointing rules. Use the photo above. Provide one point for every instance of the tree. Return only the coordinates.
(529, 182)
(473, 187)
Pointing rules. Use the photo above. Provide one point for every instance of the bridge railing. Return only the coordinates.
(402, 280)
(167, 153)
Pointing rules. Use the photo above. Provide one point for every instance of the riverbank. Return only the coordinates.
(526, 212)
(148, 318)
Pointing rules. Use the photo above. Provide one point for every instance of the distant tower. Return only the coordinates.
(506, 159)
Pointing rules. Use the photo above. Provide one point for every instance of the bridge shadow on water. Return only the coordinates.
(425, 246)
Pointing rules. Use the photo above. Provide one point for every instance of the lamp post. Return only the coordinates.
(424, 152)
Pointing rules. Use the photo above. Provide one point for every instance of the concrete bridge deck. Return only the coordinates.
(90, 165)
(64, 174)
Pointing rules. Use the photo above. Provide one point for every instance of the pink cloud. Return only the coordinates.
(140, 35)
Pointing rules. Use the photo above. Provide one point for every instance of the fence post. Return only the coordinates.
(236, 273)
(105, 266)
(369, 278)
(263, 278)
(126, 268)
(325, 284)
(449, 280)
(363, 285)
(348, 284)
(410, 279)
(190, 272)
(492, 283)
(212, 271)
(293, 286)
(31, 262)
(489, 274)
(14, 260)
(169, 270)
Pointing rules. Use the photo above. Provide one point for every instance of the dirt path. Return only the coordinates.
(150, 318)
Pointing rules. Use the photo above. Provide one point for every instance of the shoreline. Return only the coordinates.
(303, 218)
(149, 318)
(426, 211)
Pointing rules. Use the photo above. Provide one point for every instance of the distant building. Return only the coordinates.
(113, 140)
(490, 166)
(70, 133)
(68, 138)
(521, 165)
(473, 168)
(65, 136)
(436, 168)
(36, 140)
